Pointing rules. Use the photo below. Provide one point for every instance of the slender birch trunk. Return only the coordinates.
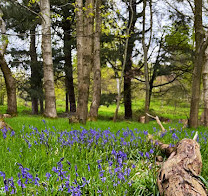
(50, 100)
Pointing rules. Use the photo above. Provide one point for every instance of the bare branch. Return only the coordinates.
(171, 81)
(195, 136)
(158, 122)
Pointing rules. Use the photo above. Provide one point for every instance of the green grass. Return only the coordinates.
(42, 157)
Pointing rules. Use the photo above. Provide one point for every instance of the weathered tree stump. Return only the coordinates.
(178, 175)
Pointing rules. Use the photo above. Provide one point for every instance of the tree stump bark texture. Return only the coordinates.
(179, 174)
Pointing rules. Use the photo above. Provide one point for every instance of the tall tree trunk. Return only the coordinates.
(147, 86)
(9, 79)
(80, 43)
(124, 63)
(205, 88)
(128, 67)
(68, 68)
(66, 99)
(127, 90)
(50, 100)
(146, 71)
(96, 64)
(145, 50)
(41, 105)
(34, 72)
(199, 54)
(10, 86)
(1, 89)
(85, 48)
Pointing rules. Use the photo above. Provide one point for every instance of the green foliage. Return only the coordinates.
(108, 99)
(41, 156)
(178, 37)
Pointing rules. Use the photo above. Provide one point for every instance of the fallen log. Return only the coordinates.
(179, 174)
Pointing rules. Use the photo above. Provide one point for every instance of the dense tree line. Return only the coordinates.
(140, 40)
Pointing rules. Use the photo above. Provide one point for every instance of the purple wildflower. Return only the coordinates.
(48, 175)
(145, 132)
(147, 155)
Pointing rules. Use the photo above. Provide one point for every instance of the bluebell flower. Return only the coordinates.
(102, 173)
(88, 167)
(48, 175)
(99, 191)
(121, 176)
(130, 183)
(145, 132)
(36, 180)
(12, 133)
(6, 186)
(163, 134)
(103, 179)
(141, 153)
(19, 182)
(147, 155)
(2, 174)
(174, 136)
(110, 163)
(84, 179)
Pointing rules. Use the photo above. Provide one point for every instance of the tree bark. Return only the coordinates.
(9, 79)
(10, 87)
(66, 100)
(179, 174)
(80, 43)
(50, 100)
(35, 81)
(68, 68)
(146, 71)
(128, 66)
(93, 114)
(205, 88)
(41, 105)
(84, 56)
(199, 54)
(33, 57)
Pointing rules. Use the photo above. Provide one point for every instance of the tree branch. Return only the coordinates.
(168, 82)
